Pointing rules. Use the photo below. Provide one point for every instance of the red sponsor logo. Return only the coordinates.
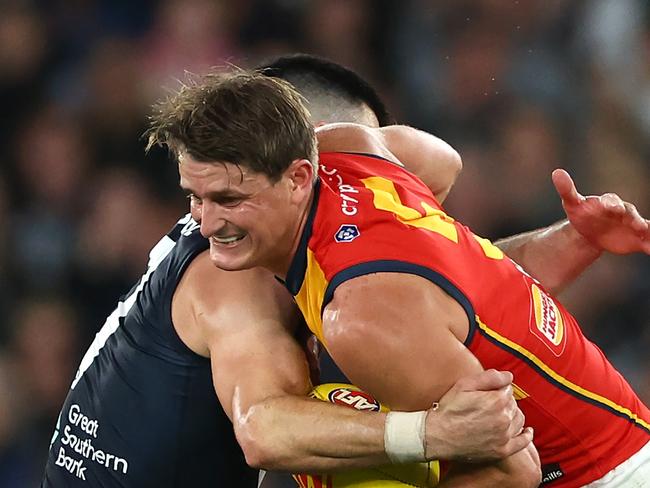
(549, 325)
(354, 399)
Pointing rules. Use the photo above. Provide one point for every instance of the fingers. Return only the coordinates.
(613, 204)
(633, 219)
(488, 380)
(517, 423)
(565, 187)
(629, 215)
(518, 443)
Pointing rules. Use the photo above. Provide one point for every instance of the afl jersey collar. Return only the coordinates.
(298, 266)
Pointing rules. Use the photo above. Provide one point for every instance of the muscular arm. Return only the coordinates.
(417, 330)
(261, 375)
(243, 321)
(557, 254)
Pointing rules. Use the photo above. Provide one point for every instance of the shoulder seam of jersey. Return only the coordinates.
(298, 266)
(397, 266)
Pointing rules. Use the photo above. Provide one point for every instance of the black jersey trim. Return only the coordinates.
(558, 380)
(298, 266)
(396, 266)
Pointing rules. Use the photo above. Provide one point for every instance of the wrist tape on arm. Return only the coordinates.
(404, 436)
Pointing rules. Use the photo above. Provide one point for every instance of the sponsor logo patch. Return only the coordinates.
(353, 398)
(548, 322)
(347, 233)
(550, 473)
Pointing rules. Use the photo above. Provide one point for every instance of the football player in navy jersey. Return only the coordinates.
(142, 409)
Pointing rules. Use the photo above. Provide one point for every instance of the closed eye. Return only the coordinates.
(229, 201)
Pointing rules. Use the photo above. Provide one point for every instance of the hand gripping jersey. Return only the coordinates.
(370, 216)
(142, 411)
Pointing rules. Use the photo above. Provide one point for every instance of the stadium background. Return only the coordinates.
(518, 87)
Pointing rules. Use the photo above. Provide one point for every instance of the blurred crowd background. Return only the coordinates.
(519, 87)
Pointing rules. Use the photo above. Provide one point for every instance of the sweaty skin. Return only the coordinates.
(244, 321)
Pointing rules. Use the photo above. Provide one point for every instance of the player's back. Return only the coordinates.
(142, 411)
(372, 216)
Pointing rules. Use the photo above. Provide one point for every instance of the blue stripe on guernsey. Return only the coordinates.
(298, 267)
(394, 266)
(558, 380)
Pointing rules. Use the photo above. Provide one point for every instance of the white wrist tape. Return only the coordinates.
(404, 436)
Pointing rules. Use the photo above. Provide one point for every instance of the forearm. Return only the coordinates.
(297, 434)
(431, 159)
(554, 255)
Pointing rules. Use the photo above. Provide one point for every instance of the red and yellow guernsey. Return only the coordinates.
(370, 215)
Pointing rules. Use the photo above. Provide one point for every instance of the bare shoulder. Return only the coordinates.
(209, 300)
(209, 287)
(347, 137)
(386, 330)
(399, 296)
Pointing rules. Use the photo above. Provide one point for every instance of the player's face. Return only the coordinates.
(249, 220)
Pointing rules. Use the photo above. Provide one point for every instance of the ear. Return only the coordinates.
(301, 176)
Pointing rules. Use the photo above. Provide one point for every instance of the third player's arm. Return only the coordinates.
(557, 254)
(400, 337)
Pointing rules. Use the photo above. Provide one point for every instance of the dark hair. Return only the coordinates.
(237, 117)
(311, 74)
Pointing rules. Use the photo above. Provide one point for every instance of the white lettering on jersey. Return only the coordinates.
(190, 225)
(348, 202)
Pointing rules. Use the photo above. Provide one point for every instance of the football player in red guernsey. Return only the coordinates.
(405, 298)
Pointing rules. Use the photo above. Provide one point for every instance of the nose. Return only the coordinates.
(212, 218)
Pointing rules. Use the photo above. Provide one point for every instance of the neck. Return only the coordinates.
(280, 265)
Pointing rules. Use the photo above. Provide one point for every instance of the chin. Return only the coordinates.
(230, 263)
(230, 266)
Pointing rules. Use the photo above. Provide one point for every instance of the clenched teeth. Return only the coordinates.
(227, 240)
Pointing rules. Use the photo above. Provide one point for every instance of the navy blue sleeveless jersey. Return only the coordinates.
(142, 411)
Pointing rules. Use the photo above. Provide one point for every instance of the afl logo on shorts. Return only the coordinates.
(549, 326)
(347, 233)
(353, 398)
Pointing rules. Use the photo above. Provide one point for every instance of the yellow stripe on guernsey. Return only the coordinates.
(315, 284)
(518, 393)
(559, 378)
(385, 197)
